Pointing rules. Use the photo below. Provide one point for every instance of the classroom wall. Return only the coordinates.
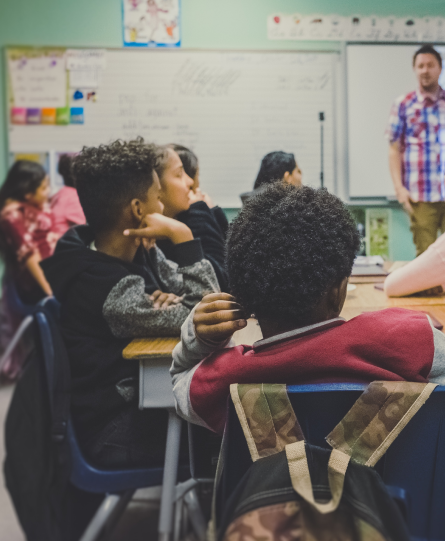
(214, 24)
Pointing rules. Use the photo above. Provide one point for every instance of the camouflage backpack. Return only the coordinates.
(298, 491)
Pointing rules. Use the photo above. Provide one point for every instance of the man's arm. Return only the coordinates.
(395, 168)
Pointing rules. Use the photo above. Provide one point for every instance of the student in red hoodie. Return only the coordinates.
(289, 255)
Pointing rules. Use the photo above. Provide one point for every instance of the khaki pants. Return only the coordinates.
(426, 220)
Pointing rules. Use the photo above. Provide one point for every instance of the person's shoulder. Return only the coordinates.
(406, 99)
(391, 323)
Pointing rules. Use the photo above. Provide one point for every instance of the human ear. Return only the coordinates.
(286, 177)
(136, 210)
(337, 296)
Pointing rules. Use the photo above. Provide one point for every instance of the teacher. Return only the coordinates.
(415, 162)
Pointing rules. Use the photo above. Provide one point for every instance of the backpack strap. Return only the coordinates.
(377, 418)
(301, 478)
(266, 416)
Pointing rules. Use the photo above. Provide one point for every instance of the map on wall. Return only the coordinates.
(151, 23)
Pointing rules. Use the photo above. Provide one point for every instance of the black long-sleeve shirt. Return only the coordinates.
(205, 225)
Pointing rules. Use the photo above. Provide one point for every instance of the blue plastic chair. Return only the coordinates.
(413, 468)
(19, 309)
(118, 486)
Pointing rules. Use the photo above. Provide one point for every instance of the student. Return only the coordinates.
(112, 290)
(177, 197)
(27, 228)
(275, 166)
(290, 253)
(191, 167)
(424, 274)
(65, 203)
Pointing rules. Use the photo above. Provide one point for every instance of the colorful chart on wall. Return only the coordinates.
(151, 23)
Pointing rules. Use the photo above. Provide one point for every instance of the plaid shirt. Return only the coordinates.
(418, 123)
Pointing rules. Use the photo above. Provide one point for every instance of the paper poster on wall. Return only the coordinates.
(151, 23)
(37, 78)
(85, 67)
(282, 26)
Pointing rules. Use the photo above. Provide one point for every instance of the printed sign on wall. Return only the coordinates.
(355, 28)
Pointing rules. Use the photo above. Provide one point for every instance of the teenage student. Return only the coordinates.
(27, 228)
(290, 253)
(191, 167)
(424, 274)
(177, 197)
(275, 166)
(112, 290)
(65, 203)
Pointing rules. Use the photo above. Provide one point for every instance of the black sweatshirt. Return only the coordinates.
(206, 224)
(105, 304)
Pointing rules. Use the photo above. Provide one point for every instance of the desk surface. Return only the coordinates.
(365, 298)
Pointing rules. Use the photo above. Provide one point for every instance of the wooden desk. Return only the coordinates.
(365, 298)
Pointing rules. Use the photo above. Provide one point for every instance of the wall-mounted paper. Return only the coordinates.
(281, 26)
(38, 80)
(151, 23)
(85, 67)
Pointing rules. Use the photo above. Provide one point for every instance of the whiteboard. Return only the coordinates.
(231, 108)
(376, 76)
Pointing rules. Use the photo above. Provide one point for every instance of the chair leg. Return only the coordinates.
(15, 340)
(195, 514)
(107, 515)
(170, 475)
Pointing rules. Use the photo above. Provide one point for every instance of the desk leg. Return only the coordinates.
(170, 475)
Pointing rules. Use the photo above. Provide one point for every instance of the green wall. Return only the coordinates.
(217, 24)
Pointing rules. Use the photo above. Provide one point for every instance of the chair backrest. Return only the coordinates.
(84, 475)
(15, 303)
(414, 465)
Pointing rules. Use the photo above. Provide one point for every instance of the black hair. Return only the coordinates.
(108, 177)
(23, 178)
(65, 170)
(286, 248)
(188, 158)
(427, 49)
(273, 167)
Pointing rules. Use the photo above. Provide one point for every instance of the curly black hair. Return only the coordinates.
(286, 248)
(108, 177)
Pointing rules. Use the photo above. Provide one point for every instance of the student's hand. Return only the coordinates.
(164, 300)
(217, 317)
(197, 195)
(156, 226)
(403, 197)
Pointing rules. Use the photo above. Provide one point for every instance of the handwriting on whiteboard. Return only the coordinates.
(193, 79)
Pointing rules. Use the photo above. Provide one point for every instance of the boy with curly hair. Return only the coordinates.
(112, 289)
(290, 252)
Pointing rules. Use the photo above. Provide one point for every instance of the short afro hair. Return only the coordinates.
(286, 248)
(108, 177)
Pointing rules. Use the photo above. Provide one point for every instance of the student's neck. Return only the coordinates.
(270, 327)
(116, 245)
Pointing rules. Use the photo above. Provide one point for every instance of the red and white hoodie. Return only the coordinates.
(392, 344)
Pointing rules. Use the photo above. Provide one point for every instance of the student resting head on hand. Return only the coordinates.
(290, 252)
(112, 290)
(179, 175)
